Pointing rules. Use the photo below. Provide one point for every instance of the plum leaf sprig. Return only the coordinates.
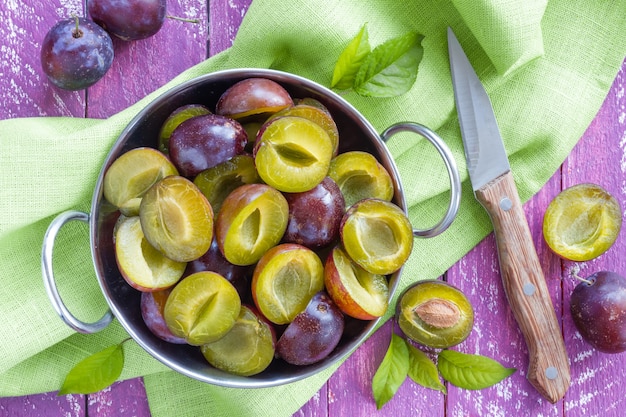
(388, 70)
(402, 359)
(95, 372)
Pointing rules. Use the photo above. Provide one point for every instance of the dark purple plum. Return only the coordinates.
(598, 307)
(203, 142)
(76, 53)
(213, 260)
(152, 305)
(313, 334)
(129, 20)
(315, 215)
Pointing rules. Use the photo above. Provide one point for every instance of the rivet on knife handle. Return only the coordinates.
(526, 289)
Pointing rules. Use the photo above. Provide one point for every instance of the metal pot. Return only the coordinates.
(356, 133)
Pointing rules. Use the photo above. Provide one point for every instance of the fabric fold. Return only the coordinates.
(509, 31)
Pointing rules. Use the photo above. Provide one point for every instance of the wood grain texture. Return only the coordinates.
(600, 157)
(526, 289)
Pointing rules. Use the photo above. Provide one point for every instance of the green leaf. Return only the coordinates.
(95, 372)
(391, 372)
(423, 370)
(391, 68)
(471, 372)
(350, 60)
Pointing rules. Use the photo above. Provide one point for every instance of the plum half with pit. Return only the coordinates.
(315, 215)
(202, 308)
(284, 280)
(598, 308)
(129, 20)
(435, 314)
(377, 235)
(205, 141)
(76, 53)
(247, 349)
(313, 334)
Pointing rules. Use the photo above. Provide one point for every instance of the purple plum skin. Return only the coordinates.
(74, 60)
(313, 334)
(203, 142)
(315, 215)
(598, 307)
(129, 20)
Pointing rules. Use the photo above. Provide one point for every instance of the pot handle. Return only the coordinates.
(453, 173)
(50, 283)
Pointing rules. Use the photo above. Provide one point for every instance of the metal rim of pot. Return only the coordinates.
(95, 220)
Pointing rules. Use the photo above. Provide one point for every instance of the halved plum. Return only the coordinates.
(217, 182)
(247, 349)
(152, 307)
(377, 235)
(141, 265)
(315, 114)
(253, 219)
(358, 293)
(582, 222)
(177, 219)
(131, 175)
(435, 314)
(284, 280)
(292, 154)
(202, 308)
(359, 175)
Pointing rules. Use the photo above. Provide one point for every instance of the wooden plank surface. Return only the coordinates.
(141, 67)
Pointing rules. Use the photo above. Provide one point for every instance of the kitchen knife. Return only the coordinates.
(494, 187)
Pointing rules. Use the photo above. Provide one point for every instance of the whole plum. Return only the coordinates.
(203, 142)
(315, 215)
(313, 334)
(129, 19)
(598, 307)
(76, 53)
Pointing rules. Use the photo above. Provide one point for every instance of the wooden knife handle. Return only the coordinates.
(526, 288)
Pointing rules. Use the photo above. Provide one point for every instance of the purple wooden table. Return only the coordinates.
(600, 157)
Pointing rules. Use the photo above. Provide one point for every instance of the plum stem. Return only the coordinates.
(76, 33)
(574, 272)
(183, 19)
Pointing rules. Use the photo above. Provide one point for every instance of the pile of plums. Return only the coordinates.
(77, 52)
(250, 235)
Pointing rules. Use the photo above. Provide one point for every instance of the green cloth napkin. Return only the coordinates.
(543, 104)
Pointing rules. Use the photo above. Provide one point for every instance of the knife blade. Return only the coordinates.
(494, 188)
